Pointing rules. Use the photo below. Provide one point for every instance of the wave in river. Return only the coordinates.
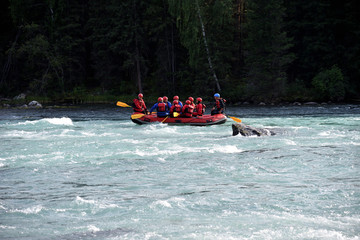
(55, 121)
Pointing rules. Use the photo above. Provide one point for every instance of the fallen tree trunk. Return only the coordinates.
(246, 130)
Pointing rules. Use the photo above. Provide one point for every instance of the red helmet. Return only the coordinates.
(191, 99)
(199, 99)
(140, 95)
(176, 102)
(160, 99)
(165, 98)
(176, 97)
(188, 102)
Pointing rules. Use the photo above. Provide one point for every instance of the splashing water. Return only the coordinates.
(90, 173)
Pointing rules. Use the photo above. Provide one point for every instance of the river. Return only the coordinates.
(90, 173)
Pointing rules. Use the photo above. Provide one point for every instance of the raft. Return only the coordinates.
(204, 120)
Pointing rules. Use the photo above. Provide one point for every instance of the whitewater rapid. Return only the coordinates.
(90, 173)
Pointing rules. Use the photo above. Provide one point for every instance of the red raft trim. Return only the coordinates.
(204, 120)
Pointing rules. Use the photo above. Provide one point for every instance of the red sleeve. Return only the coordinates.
(143, 104)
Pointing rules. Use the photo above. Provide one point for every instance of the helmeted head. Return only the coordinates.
(199, 99)
(191, 99)
(165, 98)
(188, 102)
(176, 97)
(176, 102)
(160, 99)
(140, 95)
(216, 95)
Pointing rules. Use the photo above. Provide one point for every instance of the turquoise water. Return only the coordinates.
(90, 173)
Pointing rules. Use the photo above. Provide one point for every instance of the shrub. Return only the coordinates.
(330, 84)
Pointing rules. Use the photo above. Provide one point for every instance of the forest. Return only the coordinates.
(248, 50)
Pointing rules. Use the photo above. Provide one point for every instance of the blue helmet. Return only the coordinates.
(216, 95)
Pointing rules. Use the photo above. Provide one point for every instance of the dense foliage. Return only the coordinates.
(249, 50)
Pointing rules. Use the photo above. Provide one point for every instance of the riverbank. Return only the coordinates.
(24, 101)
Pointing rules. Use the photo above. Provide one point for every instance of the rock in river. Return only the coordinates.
(35, 104)
(246, 130)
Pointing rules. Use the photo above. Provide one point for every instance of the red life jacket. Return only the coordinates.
(161, 107)
(188, 110)
(200, 109)
(139, 105)
(177, 108)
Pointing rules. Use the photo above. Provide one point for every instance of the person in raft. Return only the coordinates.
(199, 108)
(192, 101)
(176, 107)
(219, 105)
(139, 104)
(177, 98)
(161, 108)
(166, 101)
(187, 110)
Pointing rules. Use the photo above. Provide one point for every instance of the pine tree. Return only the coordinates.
(266, 49)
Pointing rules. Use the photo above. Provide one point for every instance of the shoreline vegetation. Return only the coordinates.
(256, 52)
(24, 101)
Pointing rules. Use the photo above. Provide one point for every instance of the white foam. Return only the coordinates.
(80, 200)
(324, 234)
(163, 203)
(60, 121)
(96, 204)
(55, 121)
(289, 142)
(93, 228)
(225, 149)
(7, 227)
(30, 210)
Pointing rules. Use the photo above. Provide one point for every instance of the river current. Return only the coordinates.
(91, 173)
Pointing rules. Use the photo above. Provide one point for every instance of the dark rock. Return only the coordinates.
(246, 130)
(35, 104)
(24, 106)
(311, 103)
(20, 96)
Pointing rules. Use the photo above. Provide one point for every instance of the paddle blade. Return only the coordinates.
(176, 114)
(235, 119)
(122, 104)
(136, 116)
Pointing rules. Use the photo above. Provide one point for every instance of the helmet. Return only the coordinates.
(160, 99)
(199, 99)
(140, 95)
(165, 98)
(191, 99)
(176, 102)
(188, 102)
(216, 95)
(176, 97)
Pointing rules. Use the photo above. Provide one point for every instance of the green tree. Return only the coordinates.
(205, 29)
(325, 33)
(330, 84)
(266, 48)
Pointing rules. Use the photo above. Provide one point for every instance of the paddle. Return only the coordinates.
(235, 119)
(175, 114)
(164, 119)
(122, 104)
(136, 116)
